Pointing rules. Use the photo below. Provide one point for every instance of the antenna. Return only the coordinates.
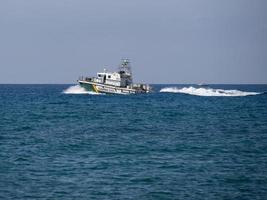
(125, 68)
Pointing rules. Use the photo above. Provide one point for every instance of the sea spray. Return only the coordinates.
(76, 89)
(207, 91)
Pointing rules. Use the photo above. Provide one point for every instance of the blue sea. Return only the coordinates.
(179, 142)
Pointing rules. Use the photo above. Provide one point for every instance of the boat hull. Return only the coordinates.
(108, 89)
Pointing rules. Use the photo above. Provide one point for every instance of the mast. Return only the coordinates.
(125, 69)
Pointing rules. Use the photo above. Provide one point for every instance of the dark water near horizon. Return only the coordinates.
(155, 146)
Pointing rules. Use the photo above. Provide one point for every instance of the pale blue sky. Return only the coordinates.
(170, 41)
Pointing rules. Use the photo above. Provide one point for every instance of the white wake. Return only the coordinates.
(76, 89)
(207, 91)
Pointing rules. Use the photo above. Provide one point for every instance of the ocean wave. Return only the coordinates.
(207, 91)
(76, 89)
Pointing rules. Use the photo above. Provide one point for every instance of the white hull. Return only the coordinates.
(110, 89)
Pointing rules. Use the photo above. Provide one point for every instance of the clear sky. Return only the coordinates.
(170, 41)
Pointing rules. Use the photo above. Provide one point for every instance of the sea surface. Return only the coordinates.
(179, 142)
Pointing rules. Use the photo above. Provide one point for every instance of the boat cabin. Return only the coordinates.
(115, 78)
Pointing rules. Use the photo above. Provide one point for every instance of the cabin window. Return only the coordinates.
(109, 76)
(99, 75)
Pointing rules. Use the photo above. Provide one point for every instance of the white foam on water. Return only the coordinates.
(207, 91)
(76, 89)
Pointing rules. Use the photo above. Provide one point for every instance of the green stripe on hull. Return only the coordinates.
(88, 87)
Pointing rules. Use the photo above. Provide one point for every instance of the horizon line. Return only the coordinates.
(144, 83)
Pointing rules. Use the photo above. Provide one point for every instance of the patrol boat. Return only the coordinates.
(120, 82)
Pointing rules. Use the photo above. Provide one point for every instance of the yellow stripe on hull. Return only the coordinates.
(95, 89)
